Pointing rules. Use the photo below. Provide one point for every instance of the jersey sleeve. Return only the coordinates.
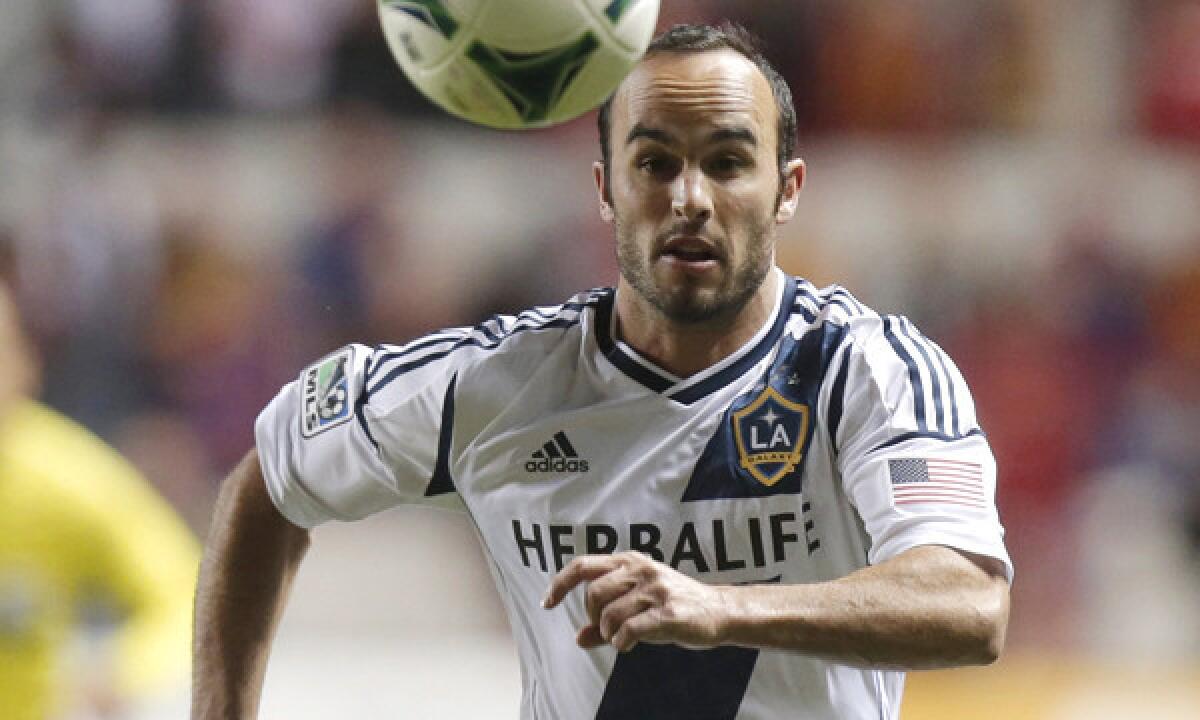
(361, 431)
(911, 454)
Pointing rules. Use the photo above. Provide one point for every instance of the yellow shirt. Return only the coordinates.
(77, 520)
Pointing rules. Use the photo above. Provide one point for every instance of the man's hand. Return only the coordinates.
(632, 598)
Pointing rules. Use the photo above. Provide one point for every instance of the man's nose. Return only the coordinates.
(690, 198)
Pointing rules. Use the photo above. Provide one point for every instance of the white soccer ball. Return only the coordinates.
(517, 63)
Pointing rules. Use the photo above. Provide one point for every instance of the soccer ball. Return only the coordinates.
(517, 63)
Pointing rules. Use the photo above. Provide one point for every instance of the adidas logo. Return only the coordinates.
(557, 455)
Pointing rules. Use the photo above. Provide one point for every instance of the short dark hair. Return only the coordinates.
(701, 38)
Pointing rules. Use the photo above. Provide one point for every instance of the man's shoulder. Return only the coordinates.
(863, 325)
(500, 338)
(533, 329)
(836, 305)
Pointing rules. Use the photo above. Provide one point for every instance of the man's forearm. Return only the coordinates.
(249, 562)
(929, 607)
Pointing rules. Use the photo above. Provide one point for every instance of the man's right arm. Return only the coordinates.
(250, 559)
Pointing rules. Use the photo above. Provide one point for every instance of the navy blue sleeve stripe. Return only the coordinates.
(838, 302)
(388, 352)
(493, 336)
(951, 386)
(845, 296)
(487, 333)
(914, 373)
(496, 324)
(943, 370)
(415, 346)
(837, 398)
(804, 290)
(413, 354)
(907, 331)
(547, 314)
(468, 341)
(839, 297)
(818, 301)
(805, 312)
(928, 436)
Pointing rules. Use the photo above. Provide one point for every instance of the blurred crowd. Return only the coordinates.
(200, 197)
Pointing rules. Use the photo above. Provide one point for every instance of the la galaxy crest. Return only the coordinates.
(762, 443)
(770, 435)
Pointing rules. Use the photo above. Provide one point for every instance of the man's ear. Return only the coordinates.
(598, 174)
(793, 180)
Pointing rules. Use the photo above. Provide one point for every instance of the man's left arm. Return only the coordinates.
(930, 606)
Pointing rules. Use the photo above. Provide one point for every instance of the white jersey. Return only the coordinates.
(834, 439)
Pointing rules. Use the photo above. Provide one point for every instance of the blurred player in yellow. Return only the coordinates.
(78, 522)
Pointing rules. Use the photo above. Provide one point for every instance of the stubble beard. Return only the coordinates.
(687, 304)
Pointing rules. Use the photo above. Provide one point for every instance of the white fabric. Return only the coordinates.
(656, 465)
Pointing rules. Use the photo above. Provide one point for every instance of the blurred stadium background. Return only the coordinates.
(197, 198)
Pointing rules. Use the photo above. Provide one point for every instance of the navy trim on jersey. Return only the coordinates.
(813, 302)
(487, 333)
(532, 319)
(934, 376)
(842, 298)
(928, 436)
(690, 394)
(940, 356)
(383, 356)
(739, 367)
(796, 375)
(672, 682)
(837, 398)
(442, 481)
(804, 293)
(359, 404)
(466, 340)
(624, 363)
(805, 312)
(914, 373)
(933, 360)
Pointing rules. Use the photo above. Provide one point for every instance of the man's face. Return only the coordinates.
(695, 183)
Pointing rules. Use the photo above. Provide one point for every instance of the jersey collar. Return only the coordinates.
(704, 383)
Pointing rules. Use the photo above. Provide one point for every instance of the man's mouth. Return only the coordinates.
(691, 250)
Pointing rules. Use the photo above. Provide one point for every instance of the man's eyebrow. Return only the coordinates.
(641, 131)
(736, 134)
(724, 134)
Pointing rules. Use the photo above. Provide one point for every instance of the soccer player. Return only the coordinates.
(79, 524)
(714, 491)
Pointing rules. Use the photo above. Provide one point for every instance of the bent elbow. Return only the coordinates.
(992, 627)
(989, 649)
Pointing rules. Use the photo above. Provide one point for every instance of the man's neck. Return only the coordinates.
(684, 349)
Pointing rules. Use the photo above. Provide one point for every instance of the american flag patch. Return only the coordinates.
(954, 482)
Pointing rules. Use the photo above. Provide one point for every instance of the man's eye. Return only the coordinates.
(655, 164)
(726, 164)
